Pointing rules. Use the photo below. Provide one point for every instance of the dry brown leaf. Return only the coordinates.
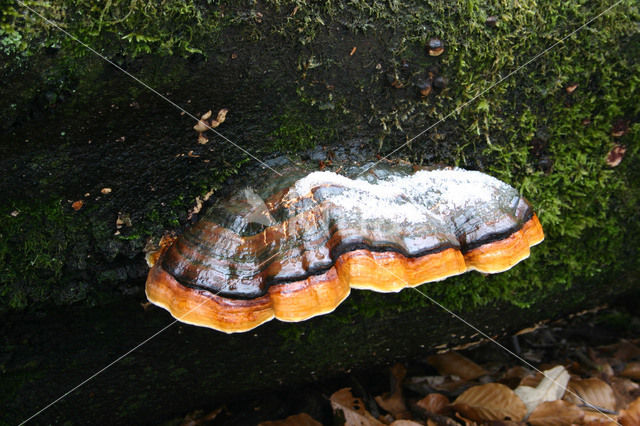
(619, 128)
(352, 409)
(206, 115)
(615, 156)
(492, 401)
(518, 372)
(533, 380)
(593, 418)
(591, 391)
(77, 205)
(555, 413)
(202, 140)
(467, 422)
(198, 417)
(624, 389)
(631, 415)
(406, 423)
(626, 350)
(571, 88)
(632, 370)
(302, 419)
(222, 115)
(513, 376)
(454, 364)
(201, 126)
(425, 385)
(435, 403)
(550, 388)
(393, 402)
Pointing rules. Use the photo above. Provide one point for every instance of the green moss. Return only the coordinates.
(45, 246)
(296, 131)
(33, 243)
(123, 27)
(526, 130)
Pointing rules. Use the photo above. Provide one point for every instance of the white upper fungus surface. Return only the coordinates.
(425, 195)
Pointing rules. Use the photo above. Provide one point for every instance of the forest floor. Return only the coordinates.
(591, 361)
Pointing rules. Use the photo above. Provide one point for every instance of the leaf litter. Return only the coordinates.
(591, 381)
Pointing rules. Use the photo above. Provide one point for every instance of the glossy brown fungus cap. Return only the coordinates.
(294, 249)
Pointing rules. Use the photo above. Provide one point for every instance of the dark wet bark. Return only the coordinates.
(186, 368)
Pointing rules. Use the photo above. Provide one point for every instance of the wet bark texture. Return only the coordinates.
(185, 368)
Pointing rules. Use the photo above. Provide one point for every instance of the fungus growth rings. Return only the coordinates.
(295, 248)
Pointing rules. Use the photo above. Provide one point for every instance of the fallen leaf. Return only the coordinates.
(631, 415)
(615, 156)
(405, 423)
(571, 88)
(206, 115)
(77, 205)
(397, 84)
(105, 191)
(632, 371)
(353, 51)
(624, 389)
(202, 139)
(222, 115)
(123, 219)
(591, 391)
(425, 385)
(625, 350)
(555, 413)
(492, 401)
(393, 402)
(302, 419)
(466, 421)
(435, 403)
(201, 126)
(593, 418)
(452, 363)
(550, 388)
(619, 128)
(518, 372)
(352, 409)
(531, 380)
(513, 376)
(198, 417)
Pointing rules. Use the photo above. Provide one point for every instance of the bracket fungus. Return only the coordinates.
(298, 253)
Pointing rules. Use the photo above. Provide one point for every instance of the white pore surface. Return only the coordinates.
(425, 195)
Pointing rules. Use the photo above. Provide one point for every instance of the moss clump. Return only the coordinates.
(123, 27)
(49, 252)
(531, 130)
(34, 240)
(328, 66)
(296, 131)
